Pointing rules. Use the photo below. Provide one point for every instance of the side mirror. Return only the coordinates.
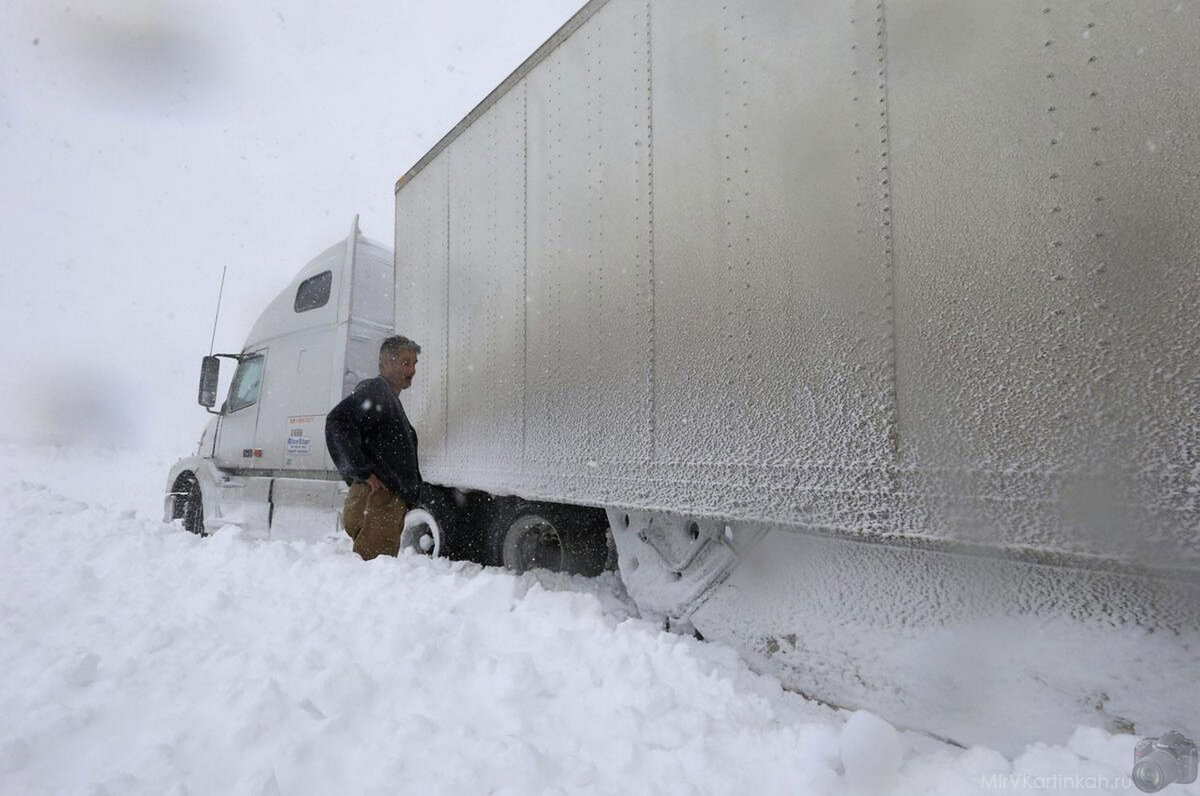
(210, 372)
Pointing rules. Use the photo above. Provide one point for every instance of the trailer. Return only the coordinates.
(858, 335)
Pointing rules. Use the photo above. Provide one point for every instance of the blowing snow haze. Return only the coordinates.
(144, 146)
(924, 447)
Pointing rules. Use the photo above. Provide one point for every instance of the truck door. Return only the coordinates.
(239, 416)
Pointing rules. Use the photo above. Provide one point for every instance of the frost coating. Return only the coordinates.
(933, 312)
(1047, 275)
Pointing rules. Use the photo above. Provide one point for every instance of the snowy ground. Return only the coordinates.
(139, 659)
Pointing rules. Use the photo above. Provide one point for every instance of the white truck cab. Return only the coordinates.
(263, 453)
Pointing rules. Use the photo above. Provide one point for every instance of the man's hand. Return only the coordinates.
(374, 482)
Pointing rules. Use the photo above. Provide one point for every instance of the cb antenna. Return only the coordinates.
(220, 293)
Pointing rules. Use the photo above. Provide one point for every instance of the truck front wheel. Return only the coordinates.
(545, 536)
(189, 504)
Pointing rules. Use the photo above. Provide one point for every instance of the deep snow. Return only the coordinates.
(140, 659)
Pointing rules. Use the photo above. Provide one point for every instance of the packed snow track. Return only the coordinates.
(142, 659)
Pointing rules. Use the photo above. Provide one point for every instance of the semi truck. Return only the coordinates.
(859, 335)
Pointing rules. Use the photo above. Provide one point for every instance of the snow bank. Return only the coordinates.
(140, 659)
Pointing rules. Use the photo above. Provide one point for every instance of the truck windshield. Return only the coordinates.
(243, 391)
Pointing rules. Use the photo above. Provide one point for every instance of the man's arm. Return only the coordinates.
(344, 427)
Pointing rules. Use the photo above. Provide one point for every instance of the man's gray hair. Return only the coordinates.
(393, 345)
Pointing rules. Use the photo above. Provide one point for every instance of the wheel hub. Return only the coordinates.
(535, 544)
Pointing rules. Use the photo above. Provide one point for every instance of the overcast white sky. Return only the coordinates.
(144, 145)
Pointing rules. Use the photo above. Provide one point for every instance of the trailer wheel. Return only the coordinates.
(422, 533)
(189, 504)
(433, 527)
(544, 536)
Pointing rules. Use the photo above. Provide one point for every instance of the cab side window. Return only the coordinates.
(314, 292)
(247, 382)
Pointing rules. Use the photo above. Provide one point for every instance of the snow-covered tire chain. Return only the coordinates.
(546, 536)
(189, 503)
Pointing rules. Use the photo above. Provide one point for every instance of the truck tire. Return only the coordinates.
(437, 525)
(546, 536)
(422, 532)
(189, 504)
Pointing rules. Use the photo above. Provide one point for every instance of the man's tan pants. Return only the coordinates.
(374, 520)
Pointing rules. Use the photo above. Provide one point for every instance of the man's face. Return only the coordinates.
(399, 370)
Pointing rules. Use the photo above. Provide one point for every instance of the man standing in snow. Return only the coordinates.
(375, 449)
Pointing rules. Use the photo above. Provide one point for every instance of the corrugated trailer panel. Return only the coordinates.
(970, 243)
(487, 305)
(774, 372)
(700, 333)
(589, 356)
(897, 270)
(422, 301)
(1046, 211)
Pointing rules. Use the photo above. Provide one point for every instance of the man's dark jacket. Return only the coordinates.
(368, 432)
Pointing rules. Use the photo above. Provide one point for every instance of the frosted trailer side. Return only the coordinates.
(876, 316)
